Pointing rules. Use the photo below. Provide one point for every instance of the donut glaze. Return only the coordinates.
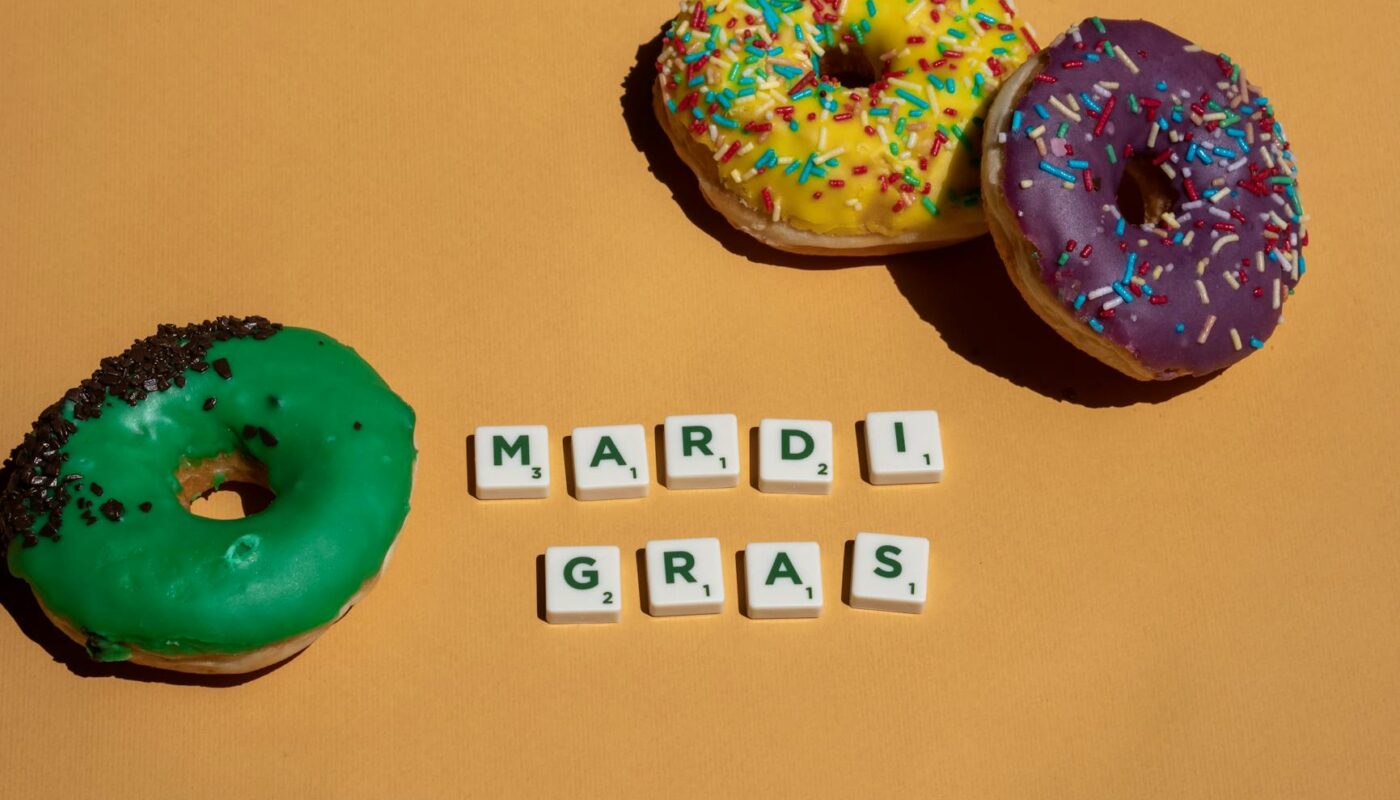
(742, 91)
(1201, 286)
(96, 520)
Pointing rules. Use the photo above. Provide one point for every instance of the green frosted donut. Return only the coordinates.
(95, 511)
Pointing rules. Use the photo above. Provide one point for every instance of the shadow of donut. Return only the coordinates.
(966, 295)
(962, 291)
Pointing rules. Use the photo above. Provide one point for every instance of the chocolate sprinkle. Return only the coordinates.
(32, 490)
(145, 507)
(113, 510)
(221, 368)
(267, 437)
(96, 489)
(210, 402)
(358, 425)
(249, 431)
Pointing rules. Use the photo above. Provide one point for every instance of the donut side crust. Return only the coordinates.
(1019, 254)
(780, 235)
(223, 663)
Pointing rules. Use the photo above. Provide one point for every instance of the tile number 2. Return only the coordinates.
(607, 598)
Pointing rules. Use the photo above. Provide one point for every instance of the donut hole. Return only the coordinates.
(232, 500)
(225, 487)
(850, 68)
(1145, 193)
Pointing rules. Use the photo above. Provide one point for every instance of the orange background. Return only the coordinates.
(1187, 590)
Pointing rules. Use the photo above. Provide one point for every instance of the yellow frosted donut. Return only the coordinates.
(839, 126)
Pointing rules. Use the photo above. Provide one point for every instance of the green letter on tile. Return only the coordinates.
(695, 436)
(501, 449)
(607, 451)
(590, 576)
(789, 454)
(678, 562)
(885, 554)
(782, 568)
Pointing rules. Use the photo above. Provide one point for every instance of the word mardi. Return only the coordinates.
(702, 452)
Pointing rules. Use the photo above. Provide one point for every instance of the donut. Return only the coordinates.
(838, 127)
(95, 509)
(1144, 199)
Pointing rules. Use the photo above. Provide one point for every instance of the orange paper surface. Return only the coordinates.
(1185, 591)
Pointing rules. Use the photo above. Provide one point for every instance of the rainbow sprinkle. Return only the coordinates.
(1143, 106)
(757, 83)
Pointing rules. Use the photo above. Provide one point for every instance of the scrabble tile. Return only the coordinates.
(582, 584)
(903, 447)
(512, 461)
(795, 456)
(702, 451)
(889, 573)
(783, 579)
(684, 576)
(610, 462)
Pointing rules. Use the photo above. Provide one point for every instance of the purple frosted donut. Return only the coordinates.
(1145, 199)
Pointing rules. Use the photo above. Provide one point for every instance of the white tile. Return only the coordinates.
(610, 462)
(684, 576)
(582, 584)
(702, 451)
(889, 573)
(795, 456)
(904, 447)
(783, 579)
(512, 461)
